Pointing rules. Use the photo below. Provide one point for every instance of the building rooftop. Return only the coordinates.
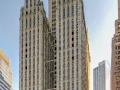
(4, 57)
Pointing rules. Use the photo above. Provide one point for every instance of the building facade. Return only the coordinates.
(3, 84)
(36, 64)
(54, 55)
(67, 20)
(5, 68)
(115, 60)
(101, 76)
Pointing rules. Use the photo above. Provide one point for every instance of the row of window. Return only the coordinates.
(117, 47)
(26, 61)
(63, 1)
(68, 22)
(117, 68)
(68, 83)
(68, 52)
(30, 24)
(30, 12)
(30, 54)
(30, 3)
(68, 27)
(117, 40)
(118, 83)
(31, 88)
(68, 71)
(30, 67)
(26, 79)
(117, 72)
(68, 58)
(30, 32)
(117, 63)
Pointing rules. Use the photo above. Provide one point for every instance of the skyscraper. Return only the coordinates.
(115, 60)
(5, 69)
(36, 64)
(67, 20)
(101, 76)
(3, 84)
(54, 57)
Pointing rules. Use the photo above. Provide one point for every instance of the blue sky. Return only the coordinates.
(100, 20)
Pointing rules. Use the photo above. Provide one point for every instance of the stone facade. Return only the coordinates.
(36, 47)
(54, 56)
(67, 21)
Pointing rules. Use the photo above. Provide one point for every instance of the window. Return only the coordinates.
(118, 47)
(116, 58)
(72, 45)
(34, 10)
(118, 40)
(68, 22)
(63, 13)
(59, 2)
(26, 23)
(68, 40)
(77, 50)
(118, 52)
(72, 39)
(72, 76)
(72, 21)
(64, 84)
(30, 5)
(38, 8)
(68, 83)
(63, 1)
(117, 78)
(59, 54)
(63, 53)
(72, 70)
(72, 26)
(68, 52)
(53, 3)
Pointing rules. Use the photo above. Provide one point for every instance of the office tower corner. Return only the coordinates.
(36, 59)
(115, 58)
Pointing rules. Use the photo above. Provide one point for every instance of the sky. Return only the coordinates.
(100, 18)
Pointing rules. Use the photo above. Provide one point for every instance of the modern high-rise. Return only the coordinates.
(67, 20)
(101, 76)
(115, 60)
(36, 60)
(5, 68)
(3, 84)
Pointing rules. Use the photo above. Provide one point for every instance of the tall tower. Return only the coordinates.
(101, 76)
(5, 69)
(36, 60)
(115, 60)
(67, 20)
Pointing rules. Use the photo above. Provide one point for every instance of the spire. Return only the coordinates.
(118, 9)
